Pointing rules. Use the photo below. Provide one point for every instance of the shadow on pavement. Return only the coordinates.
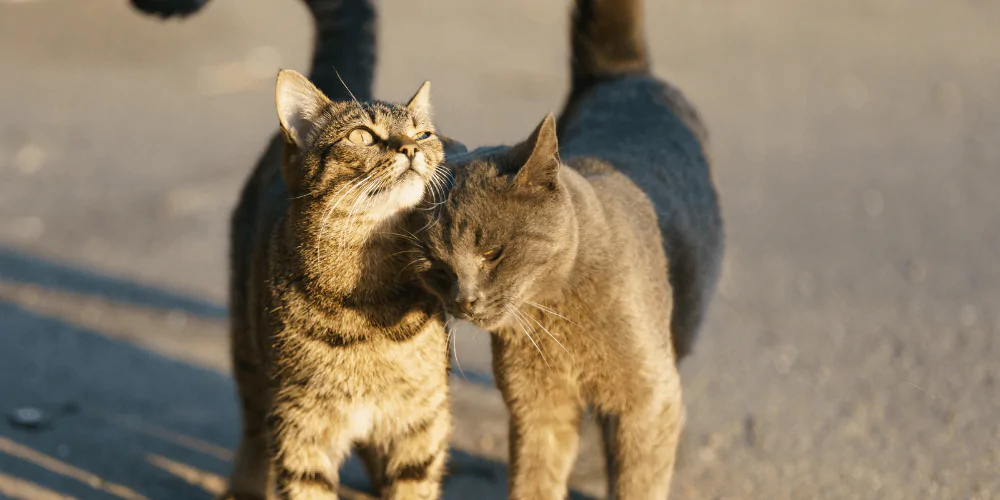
(17, 267)
(124, 422)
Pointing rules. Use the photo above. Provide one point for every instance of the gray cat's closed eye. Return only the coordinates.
(493, 254)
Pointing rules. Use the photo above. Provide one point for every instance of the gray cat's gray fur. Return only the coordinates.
(592, 263)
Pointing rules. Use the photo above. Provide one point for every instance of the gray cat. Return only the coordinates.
(592, 263)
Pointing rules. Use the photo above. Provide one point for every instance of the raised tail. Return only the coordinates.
(344, 45)
(607, 41)
(169, 8)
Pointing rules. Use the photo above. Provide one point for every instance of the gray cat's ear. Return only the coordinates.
(301, 107)
(452, 147)
(538, 157)
(421, 101)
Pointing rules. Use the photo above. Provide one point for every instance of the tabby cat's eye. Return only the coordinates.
(424, 136)
(361, 136)
(493, 254)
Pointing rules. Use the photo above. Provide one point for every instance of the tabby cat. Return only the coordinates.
(591, 263)
(334, 343)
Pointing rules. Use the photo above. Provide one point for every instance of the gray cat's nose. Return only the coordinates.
(469, 305)
(410, 150)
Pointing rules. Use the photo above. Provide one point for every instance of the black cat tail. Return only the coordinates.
(343, 64)
(607, 41)
(169, 8)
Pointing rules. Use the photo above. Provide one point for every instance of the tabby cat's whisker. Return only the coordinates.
(404, 251)
(360, 107)
(351, 186)
(363, 200)
(411, 238)
(306, 194)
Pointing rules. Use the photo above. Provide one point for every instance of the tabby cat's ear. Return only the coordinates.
(421, 101)
(302, 108)
(538, 157)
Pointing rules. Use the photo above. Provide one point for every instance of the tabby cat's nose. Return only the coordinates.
(410, 150)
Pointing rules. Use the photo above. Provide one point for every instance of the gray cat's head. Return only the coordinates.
(370, 159)
(506, 233)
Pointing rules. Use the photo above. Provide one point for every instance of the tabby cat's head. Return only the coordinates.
(366, 159)
(506, 233)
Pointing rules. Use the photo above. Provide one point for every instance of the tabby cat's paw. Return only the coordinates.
(168, 8)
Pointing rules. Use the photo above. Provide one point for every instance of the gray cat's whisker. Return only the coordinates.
(546, 330)
(550, 311)
(521, 317)
(454, 342)
(414, 261)
(530, 338)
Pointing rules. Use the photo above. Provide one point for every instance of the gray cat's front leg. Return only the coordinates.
(544, 445)
(642, 443)
(544, 434)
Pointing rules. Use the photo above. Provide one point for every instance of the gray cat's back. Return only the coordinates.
(647, 131)
(631, 124)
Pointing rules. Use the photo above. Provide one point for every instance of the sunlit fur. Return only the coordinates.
(340, 178)
(591, 259)
(335, 345)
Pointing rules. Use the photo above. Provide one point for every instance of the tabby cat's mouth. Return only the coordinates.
(389, 187)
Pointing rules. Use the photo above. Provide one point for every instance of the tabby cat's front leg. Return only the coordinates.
(416, 460)
(307, 454)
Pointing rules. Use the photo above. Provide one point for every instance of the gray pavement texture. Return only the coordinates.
(851, 352)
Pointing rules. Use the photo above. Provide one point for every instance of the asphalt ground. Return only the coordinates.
(851, 352)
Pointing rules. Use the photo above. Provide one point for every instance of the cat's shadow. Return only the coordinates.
(120, 421)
